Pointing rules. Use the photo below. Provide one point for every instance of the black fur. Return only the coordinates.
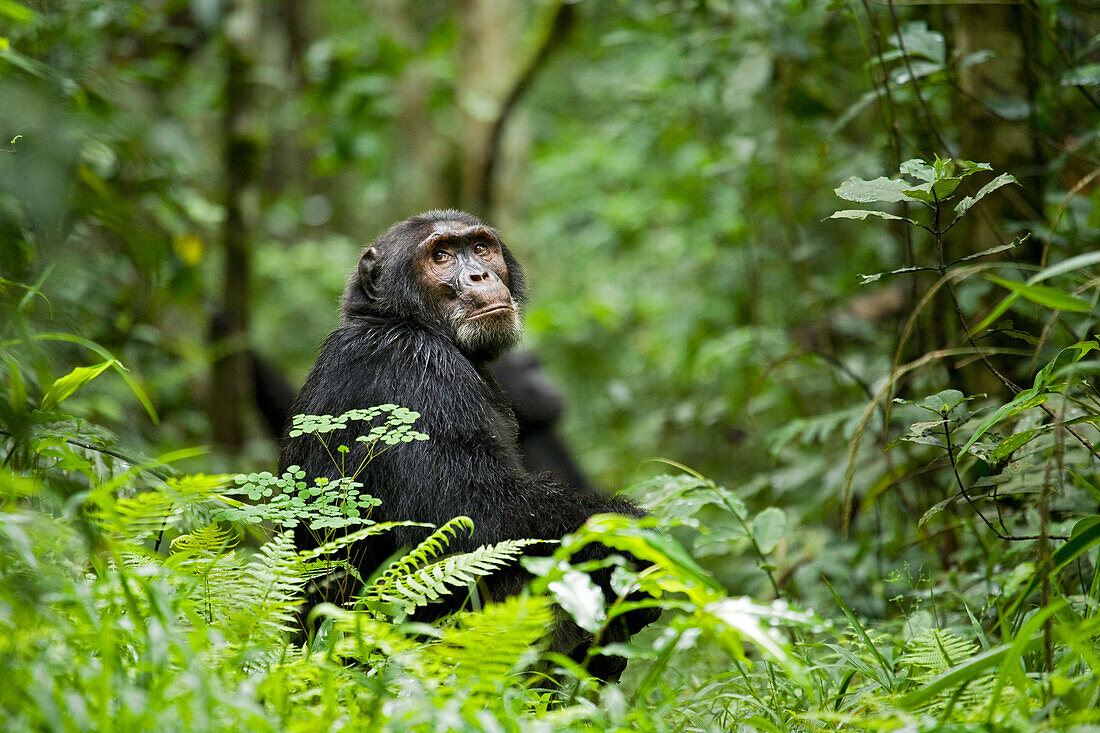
(393, 345)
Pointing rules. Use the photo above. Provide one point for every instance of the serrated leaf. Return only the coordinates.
(881, 189)
(1044, 295)
(63, 387)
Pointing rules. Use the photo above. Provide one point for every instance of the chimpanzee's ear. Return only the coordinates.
(368, 272)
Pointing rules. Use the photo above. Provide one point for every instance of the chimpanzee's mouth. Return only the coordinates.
(490, 311)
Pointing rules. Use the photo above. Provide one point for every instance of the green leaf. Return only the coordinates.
(862, 214)
(919, 169)
(63, 387)
(581, 598)
(1073, 263)
(768, 527)
(942, 402)
(993, 250)
(116, 365)
(1044, 295)
(16, 11)
(1014, 442)
(1024, 401)
(962, 674)
(864, 192)
(934, 192)
(918, 40)
(968, 201)
(1084, 75)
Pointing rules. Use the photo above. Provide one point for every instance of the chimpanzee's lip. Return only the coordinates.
(490, 311)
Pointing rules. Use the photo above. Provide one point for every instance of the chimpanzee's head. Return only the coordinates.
(444, 270)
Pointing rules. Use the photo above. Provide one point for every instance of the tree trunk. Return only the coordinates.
(231, 380)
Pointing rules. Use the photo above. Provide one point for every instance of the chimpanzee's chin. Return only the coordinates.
(490, 336)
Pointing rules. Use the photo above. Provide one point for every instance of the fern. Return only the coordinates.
(206, 555)
(414, 580)
(271, 589)
(936, 651)
(483, 649)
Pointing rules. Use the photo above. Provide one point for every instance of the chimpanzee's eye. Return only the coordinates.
(480, 249)
(441, 255)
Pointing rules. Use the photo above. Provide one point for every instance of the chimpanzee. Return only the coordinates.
(431, 302)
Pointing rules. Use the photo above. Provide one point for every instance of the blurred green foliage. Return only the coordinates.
(924, 436)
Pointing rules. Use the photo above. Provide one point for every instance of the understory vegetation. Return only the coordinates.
(821, 282)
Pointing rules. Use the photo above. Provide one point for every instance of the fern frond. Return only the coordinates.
(484, 648)
(206, 555)
(432, 547)
(410, 588)
(270, 592)
(205, 542)
(935, 652)
(335, 544)
(136, 517)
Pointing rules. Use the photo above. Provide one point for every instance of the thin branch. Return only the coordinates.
(560, 26)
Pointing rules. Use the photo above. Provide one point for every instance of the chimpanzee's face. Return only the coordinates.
(448, 270)
(461, 269)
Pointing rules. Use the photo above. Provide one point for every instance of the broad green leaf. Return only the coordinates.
(917, 168)
(967, 201)
(917, 39)
(864, 192)
(1014, 442)
(63, 387)
(1044, 295)
(942, 402)
(944, 187)
(1024, 401)
(768, 527)
(581, 598)
(935, 191)
(921, 193)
